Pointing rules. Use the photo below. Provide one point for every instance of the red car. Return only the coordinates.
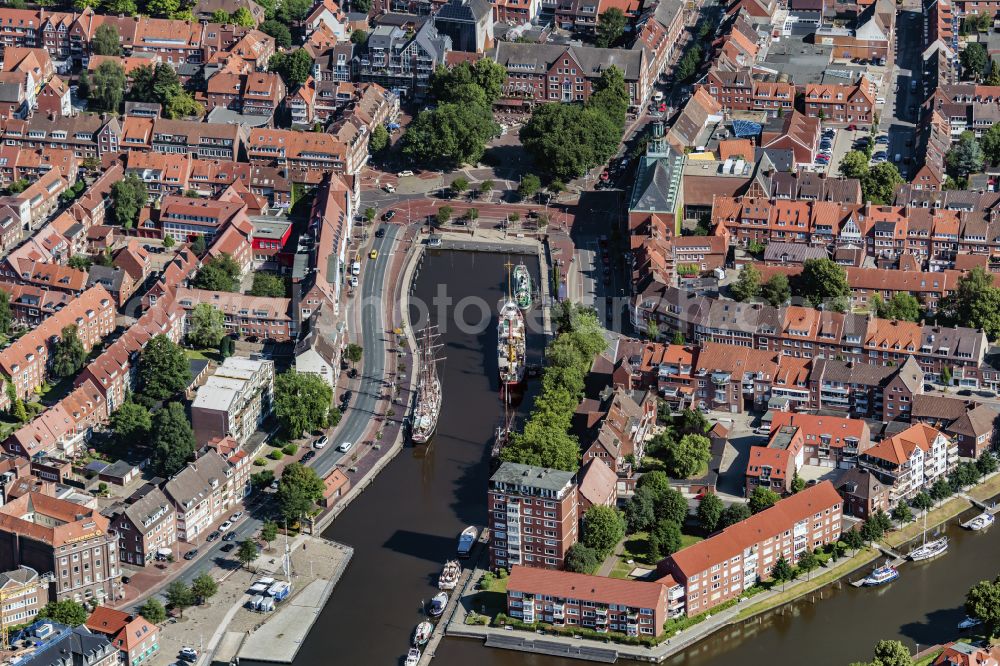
(851, 128)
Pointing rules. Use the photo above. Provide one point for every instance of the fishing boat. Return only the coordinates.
(429, 396)
(438, 604)
(522, 286)
(422, 634)
(881, 576)
(929, 549)
(466, 540)
(412, 657)
(981, 522)
(969, 623)
(449, 575)
(510, 346)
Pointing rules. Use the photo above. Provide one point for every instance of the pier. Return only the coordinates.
(987, 509)
(897, 560)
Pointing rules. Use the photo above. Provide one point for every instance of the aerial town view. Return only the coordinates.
(499, 332)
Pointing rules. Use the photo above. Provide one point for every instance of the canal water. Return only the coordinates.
(406, 525)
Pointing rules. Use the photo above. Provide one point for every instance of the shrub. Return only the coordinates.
(290, 449)
(260, 462)
(275, 455)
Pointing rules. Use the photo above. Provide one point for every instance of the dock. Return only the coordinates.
(897, 560)
(991, 510)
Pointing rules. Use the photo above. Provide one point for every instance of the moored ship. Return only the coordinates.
(522, 286)
(510, 342)
(429, 395)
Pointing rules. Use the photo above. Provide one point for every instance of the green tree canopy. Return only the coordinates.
(450, 134)
(610, 95)
(603, 528)
(204, 587)
(808, 562)
(747, 284)
(688, 456)
(298, 491)
(610, 27)
(131, 422)
(301, 401)
(879, 185)
(269, 531)
(975, 302)
(206, 325)
(180, 596)
(106, 41)
(854, 165)
(902, 305)
(379, 139)
(153, 611)
(243, 18)
(247, 552)
(983, 603)
(220, 273)
(568, 139)
(294, 68)
(163, 368)
(268, 284)
(69, 355)
(582, 559)
(6, 318)
(990, 144)
(776, 291)
(710, 510)
(734, 513)
(172, 439)
(282, 35)
(65, 611)
(664, 539)
(822, 281)
(966, 157)
(782, 571)
(106, 86)
(973, 58)
(128, 196)
(529, 186)
(762, 498)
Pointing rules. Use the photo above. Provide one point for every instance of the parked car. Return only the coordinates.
(213, 536)
(404, 174)
(322, 441)
(224, 527)
(191, 554)
(389, 214)
(226, 548)
(380, 233)
(236, 516)
(345, 447)
(309, 455)
(188, 654)
(230, 536)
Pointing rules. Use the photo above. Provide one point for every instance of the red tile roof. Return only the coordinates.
(585, 588)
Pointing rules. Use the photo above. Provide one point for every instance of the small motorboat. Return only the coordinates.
(969, 623)
(881, 576)
(422, 634)
(412, 657)
(929, 550)
(438, 604)
(467, 540)
(981, 522)
(450, 575)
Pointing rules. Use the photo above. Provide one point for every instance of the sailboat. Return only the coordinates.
(511, 347)
(522, 286)
(429, 396)
(929, 549)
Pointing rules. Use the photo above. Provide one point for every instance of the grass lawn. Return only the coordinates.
(207, 354)
(493, 599)
(946, 511)
(636, 547)
(986, 490)
(929, 659)
(621, 569)
(690, 540)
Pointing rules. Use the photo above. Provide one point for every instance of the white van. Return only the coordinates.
(356, 268)
(321, 442)
(345, 447)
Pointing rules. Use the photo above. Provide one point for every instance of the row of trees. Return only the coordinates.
(569, 139)
(455, 130)
(821, 282)
(546, 441)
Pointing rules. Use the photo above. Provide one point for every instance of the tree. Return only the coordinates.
(822, 281)
(987, 463)
(153, 611)
(941, 490)
(529, 186)
(80, 262)
(443, 215)
(298, 491)
(798, 483)
(452, 85)
(247, 552)
(106, 86)
(293, 11)
(664, 539)
(6, 319)
(688, 456)
(747, 285)
(206, 326)
(902, 306)
(782, 571)
(268, 284)
(710, 510)
(353, 353)
(892, 653)
(982, 602)
(69, 355)
(66, 612)
(181, 104)
(569, 139)
(973, 59)
(853, 539)
(128, 196)
(180, 596)
(734, 513)
(359, 37)
(282, 35)
(379, 139)
(965, 157)
(204, 587)
(450, 134)
(922, 501)
(871, 530)
(582, 559)
(486, 187)
(879, 185)
(122, 7)
(640, 512)
(776, 290)
(198, 246)
(459, 185)
(221, 273)
(220, 16)
(902, 513)
(691, 421)
(854, 165)
(106, 41)
(295, 67)
(603, 528)
(163, 368)
(762, 498)
(610, 27)
(975, 302)
(269, 532)
(243, 18)
(301, 401)
(172, 440)
(131, 422)
(808, 562)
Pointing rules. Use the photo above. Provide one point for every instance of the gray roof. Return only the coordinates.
(542, 478)
(73, 647)
(656, 174)
(11, 92)
(20, 576)
(793, 252)
(141, 511)
(108, 277)
(197, 480)
(223, 116)
(119, 469)
(851, 373)
(539, 58)
(464, 10)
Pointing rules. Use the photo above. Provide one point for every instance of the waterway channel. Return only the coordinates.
(405, 526)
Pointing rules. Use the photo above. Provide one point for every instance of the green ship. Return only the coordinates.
(522, 287)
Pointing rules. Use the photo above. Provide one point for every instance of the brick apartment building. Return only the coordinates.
(533, 516)
(564, 599)
(723, 566)
(145, 525)
(24, 594)
(234, 401)
(261, 317)
(73, 541)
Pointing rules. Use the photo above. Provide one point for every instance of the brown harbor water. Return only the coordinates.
(406, 525)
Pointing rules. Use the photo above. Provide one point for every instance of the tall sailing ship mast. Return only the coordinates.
(511, 343)
(429, 394)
